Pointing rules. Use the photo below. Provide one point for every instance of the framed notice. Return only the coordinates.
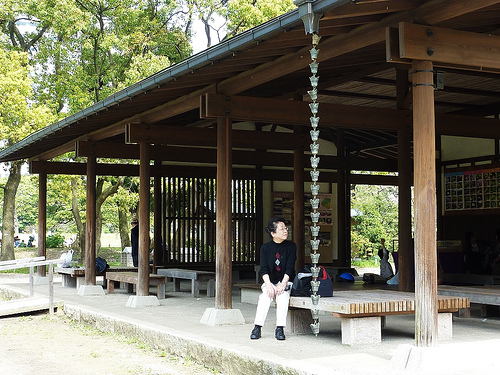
(472, 190)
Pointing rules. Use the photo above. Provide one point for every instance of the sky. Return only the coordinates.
(199, 40)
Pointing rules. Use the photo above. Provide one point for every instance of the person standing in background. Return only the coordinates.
(134, 239)
(385, 267)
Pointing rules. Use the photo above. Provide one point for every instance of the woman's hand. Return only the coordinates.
(280, 287)
(270, 290)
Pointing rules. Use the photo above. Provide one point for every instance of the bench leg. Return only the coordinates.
(111, 287)
(298, 321)
(445, 326)
(161, 291)
(361, 331)
(177, 285)
(211, 288)
(79, 281)
(464, 313)
(489, 311)
(68, 280)
(195, 288)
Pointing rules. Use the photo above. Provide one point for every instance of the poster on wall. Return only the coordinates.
(472, 190)
(283, 206)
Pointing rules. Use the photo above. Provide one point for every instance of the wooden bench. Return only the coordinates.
(195, 276)
(483, 295)
(75, 276)
(132, 278)
(249, 293)
(470, 279)
(362, 313)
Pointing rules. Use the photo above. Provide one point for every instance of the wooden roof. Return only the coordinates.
(360, 68)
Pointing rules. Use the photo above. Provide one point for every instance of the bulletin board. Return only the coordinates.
(472, 190)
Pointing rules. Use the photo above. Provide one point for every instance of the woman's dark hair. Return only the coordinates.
(273, 224)
(469, 235)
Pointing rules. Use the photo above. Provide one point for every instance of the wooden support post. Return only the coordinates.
(424, 138)
(298, 208)
(259, 210)
(342, 224)
(32, 282)
(144, 202)
(158, 248)
(405, 246)
(223, 262)
(90, 222)
(51, 288)
(42, 220)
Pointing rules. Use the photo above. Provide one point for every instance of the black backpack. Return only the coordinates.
(302, 283)
(100, 264)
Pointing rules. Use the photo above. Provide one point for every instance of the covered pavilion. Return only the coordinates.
(240, 110)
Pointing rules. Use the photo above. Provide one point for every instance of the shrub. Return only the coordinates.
(55, 240)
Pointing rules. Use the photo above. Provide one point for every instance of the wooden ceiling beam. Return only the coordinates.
(341, 116)
(182, 154)
(205, 137)
(97, 135)
(440, 45)
(132, 170)
(55, 152)
(447, 88)
(371, 8)
(434, 12)
(289, 112)
(240, 157)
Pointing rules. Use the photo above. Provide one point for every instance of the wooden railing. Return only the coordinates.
(31, 263)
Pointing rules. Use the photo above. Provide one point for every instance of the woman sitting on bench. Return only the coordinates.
(277, 268)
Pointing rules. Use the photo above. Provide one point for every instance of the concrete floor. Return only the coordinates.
(175, 326)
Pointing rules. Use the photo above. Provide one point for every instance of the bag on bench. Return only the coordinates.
(302, 283)
(65, 259)
(100, 264)
(373, 278)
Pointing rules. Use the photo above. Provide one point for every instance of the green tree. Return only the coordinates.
(27, 204)
(245, 14)
(19, 116)
(81, 51)
(238, 15)
(113, 44)
(377, 217)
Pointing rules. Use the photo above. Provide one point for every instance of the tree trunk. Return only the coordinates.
(79, 244)
(98, 215)
(9, 210)
(123, 226)
(102, 195)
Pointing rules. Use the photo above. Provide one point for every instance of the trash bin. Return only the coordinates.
(126, 260)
